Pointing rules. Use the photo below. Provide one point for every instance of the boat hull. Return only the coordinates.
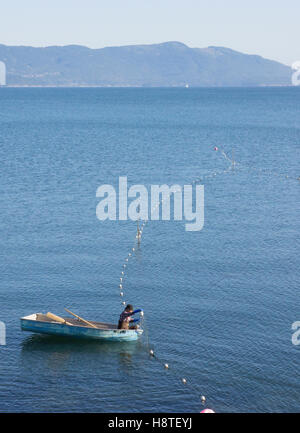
(60, 329)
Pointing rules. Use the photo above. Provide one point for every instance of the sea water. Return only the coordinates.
(219, 303)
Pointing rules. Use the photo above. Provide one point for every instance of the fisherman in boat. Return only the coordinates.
(126, 318)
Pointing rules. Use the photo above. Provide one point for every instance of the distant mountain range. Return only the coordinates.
(168, 64)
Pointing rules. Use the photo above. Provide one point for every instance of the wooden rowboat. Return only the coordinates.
(80, 328)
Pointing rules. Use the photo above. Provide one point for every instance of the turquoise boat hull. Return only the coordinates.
(41, 324)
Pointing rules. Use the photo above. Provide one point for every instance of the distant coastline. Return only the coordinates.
(169, 64)
(90, 86)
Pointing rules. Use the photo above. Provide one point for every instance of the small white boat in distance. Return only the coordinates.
(79, 328)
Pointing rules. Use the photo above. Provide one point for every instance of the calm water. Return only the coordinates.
(219, 303)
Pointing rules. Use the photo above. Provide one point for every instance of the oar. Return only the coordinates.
(80, 318)
(58, 319)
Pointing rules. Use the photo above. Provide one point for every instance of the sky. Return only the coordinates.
(265, 27)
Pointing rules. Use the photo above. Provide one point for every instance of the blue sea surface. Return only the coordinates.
(219, 303)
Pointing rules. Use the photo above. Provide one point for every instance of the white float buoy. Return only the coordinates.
(121, 294)
(151, 352)
(203, 399)
(183, 380)
(166, 365)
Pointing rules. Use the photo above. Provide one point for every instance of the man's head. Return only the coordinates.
(129, 308)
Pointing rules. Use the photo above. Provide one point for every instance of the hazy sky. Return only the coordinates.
(266, 27)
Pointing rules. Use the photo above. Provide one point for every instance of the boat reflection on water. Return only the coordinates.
(62, 353)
